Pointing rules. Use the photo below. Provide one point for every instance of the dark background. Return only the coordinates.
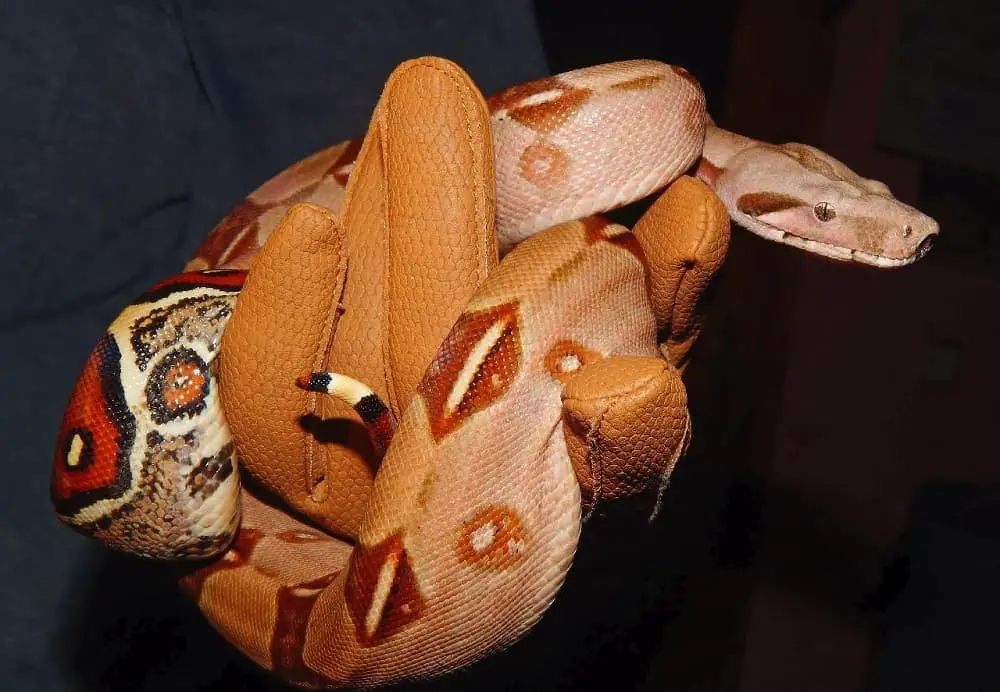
(835, 526)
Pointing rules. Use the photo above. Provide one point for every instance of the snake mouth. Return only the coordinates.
(838, 252)
(769, 215)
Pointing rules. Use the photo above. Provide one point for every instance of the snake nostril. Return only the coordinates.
(925, 246)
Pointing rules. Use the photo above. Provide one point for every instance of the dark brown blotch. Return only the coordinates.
(759, 203)
(597, 230)
(638, 83)
(708, 171)
(809, 158)
(544, 117)
(211, 472)
(871, 234)
(512, 97)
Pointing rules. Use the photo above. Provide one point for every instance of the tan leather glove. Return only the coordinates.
(624, 417)
(370, 292)
(525, 394)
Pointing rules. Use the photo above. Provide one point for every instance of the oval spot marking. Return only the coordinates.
(566, 357)
(178, 386)
(493, 538)
(544, 165)
(185, 383)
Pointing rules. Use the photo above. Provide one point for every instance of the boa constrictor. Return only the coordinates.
(145, 462)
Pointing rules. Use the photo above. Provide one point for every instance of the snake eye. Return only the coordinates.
(178, 386)
(824, 211)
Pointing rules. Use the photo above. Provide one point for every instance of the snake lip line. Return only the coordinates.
(840, 253)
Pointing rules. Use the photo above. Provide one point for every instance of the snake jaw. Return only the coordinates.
(833, 251)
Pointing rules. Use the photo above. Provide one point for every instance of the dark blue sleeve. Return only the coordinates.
(128, 129)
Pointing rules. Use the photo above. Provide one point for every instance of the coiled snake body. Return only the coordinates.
(145, 461)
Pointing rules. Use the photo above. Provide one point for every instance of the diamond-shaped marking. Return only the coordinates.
(543, 105)
(474, 367)
(381, 591)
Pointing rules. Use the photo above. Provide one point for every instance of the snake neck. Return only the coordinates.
(721, 147)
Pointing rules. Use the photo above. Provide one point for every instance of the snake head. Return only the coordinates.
(801, 196)
(144, 461)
